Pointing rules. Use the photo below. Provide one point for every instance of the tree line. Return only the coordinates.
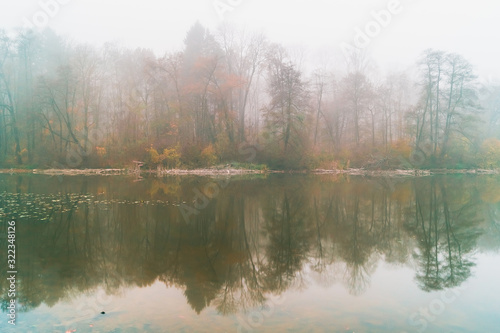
(66, 105)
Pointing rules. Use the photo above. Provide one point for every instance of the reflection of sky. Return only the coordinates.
(387, 304)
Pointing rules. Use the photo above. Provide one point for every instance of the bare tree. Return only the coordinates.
(286, 114)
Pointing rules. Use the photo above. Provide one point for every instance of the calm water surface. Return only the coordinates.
(279, 253)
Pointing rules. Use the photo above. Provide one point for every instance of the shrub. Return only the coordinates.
(171, 158)
(190, 155)
(152, 158)
(490, 151)
(208, 156)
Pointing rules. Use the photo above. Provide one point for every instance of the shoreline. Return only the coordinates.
(234, 172)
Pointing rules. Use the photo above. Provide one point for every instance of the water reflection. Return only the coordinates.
(257, 238)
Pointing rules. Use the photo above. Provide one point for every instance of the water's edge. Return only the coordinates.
(232, 171)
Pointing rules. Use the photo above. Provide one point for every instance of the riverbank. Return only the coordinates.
(234, 171)
(113, 172)
(406, 172)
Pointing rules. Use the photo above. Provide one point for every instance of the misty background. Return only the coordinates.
(296, 84)
(319, 26)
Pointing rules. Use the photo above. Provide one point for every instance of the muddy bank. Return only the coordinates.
(382, 173)
(404, 172)
(207, 172)
(112, 172)
(233, 171)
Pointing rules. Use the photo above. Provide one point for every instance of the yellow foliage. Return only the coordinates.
(491, 153)
(208, 156)
(223, 145)
(154, 157)
(171, 158)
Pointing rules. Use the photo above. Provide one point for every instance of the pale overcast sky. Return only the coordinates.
(321, 26)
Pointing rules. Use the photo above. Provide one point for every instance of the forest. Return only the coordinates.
(231, 96)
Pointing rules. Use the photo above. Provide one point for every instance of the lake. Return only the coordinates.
(265, 253)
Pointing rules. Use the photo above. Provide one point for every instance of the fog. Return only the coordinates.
(368, 83)
(320, 26)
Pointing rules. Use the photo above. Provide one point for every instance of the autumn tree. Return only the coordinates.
(289, 106)
(245, 55)
(357, 96)
(448, 102)
(69, 105)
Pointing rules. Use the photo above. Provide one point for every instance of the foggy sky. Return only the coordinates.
(319, 26)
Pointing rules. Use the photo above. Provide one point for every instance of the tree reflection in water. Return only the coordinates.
(446, 225)
(257, 238)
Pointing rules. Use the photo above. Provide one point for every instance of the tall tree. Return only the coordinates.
(357, 94)
(286, 113)
(448, 100)
(244, 55)
(9, 102)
